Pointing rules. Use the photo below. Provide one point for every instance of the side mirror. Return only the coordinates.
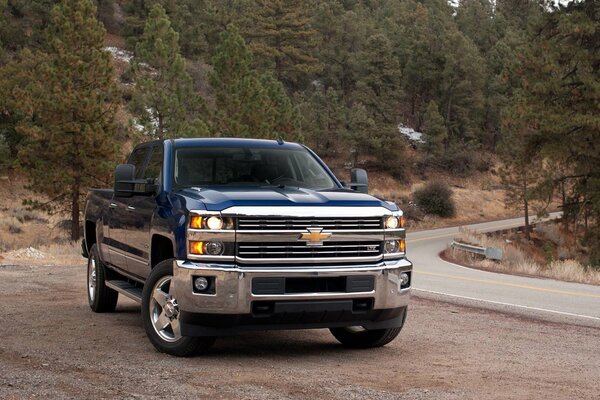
(359, 180)
(126, 185)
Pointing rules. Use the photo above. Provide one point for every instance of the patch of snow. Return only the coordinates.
(120, 54)
(411, 134)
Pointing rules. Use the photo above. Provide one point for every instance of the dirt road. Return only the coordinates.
(53, 346)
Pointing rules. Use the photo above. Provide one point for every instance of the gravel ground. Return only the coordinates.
(54, 346)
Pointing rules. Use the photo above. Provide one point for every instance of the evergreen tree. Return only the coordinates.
(436, 134)
(247, 104)
(522, 169)
(477, 21)
(559, 74)
(379, 91)
(189, 18)
(26, 21)
(164, 95)
(282, 39)
(324, 120)
(69, 102)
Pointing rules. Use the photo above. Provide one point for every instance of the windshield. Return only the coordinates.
(249, 166)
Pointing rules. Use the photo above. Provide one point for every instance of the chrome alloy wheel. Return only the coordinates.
(92, 278)
(164, 311)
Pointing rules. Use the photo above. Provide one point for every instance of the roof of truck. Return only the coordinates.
(234, 142)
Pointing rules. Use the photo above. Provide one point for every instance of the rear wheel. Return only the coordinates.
(100, 297)
(160, 314)
(357, 337)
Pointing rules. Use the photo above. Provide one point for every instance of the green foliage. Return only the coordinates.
(247, 104)
(324, 119)
(25, 23)
(435, 131)
(163, 95)
(188, 19)
(68, 100)
(555, 109)
(435, 198)
(282, 40)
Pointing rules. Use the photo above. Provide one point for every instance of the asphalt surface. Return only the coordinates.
(541, 298)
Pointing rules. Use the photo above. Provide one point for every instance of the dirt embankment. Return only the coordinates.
(54, 346)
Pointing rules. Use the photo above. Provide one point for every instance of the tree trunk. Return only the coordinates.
(75, 212)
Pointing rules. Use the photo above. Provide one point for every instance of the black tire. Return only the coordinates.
(100, 297)
(167, 340)
(364, 339)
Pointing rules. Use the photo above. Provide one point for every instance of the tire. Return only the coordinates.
(100, 297)
(160, 315)
(363, 339)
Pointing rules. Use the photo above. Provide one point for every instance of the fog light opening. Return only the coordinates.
(404, 279)
(201, 284)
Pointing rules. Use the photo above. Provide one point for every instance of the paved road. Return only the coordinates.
(546, 299)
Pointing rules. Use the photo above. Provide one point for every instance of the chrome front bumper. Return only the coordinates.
(233, 285)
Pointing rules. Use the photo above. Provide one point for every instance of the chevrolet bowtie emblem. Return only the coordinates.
(315, 236)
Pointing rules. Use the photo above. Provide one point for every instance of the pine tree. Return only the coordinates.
(282, 39)
(379, 91)
(69, 102)
(324, 120)
(436, 134)
(164, 95)
(559, 74)
(247, 104)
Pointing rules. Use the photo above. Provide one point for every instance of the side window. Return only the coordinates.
(137, 158)
(154, 167)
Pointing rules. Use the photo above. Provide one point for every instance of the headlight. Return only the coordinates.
(215, 223)
(392, 222)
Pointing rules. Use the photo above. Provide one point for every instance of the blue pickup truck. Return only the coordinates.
(219, 236)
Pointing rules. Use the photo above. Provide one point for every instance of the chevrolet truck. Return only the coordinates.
(220, 236)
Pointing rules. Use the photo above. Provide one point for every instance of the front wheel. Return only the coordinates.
(160, 314)
(360, 338)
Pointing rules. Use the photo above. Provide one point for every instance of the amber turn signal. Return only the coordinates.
(196, 247)
(196, 222)
(402, 246)
(402, 221)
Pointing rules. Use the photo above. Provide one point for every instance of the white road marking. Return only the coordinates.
(508, 304)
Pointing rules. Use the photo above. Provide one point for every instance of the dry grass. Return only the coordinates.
(516, 261)
(26, 234)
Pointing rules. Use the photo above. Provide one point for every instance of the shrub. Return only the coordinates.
(435, 198)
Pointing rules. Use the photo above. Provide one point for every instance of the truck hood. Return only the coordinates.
(230, 196)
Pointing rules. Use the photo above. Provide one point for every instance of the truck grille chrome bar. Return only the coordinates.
(299, 250)
(254, 223)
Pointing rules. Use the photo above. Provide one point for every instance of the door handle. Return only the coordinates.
(112, 205)
(129, 208)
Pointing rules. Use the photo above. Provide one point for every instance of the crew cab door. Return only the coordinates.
(123, 224)
(141, 209)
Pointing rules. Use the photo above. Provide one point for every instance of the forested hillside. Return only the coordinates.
(509, 81)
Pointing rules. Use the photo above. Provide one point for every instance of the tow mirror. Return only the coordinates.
(359, 180)
(126, 185)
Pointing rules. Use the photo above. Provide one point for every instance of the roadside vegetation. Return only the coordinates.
(549, 252)
(490, 97)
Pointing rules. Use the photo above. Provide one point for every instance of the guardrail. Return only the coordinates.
(490, 253)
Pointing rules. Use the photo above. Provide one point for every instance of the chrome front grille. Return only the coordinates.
(274, 223)
(299, 250)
